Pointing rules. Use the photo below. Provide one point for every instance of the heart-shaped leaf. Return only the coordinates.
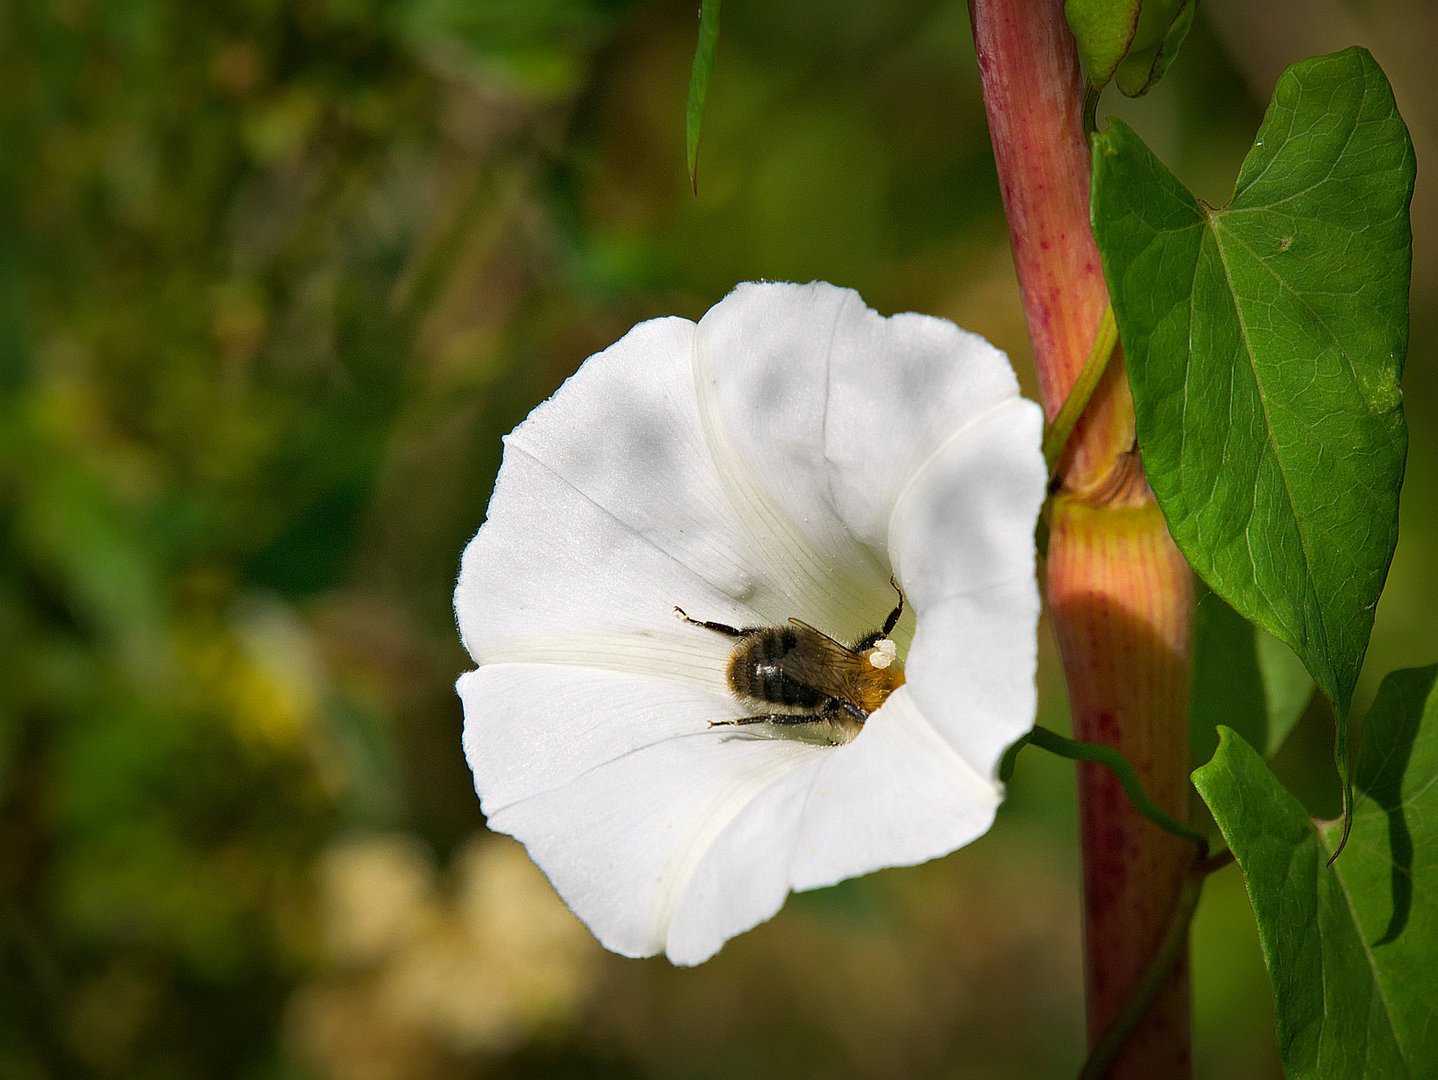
(1350, 947)
(1264, 342)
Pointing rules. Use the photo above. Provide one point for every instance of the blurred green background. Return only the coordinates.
(274, 278)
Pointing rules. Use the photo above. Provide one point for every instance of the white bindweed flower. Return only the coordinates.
(793, 455)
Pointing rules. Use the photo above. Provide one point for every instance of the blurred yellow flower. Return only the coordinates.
(427, 970)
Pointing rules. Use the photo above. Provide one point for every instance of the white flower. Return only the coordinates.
(782, 458)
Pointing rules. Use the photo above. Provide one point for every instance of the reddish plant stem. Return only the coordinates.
(1119, 592)
(1033, 94)
(1121, 597)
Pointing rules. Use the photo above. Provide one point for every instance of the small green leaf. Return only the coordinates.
(1242, 679)
(1264, 342)
(1350, 948)
(1161, 30)
(1104, 30)
(699, 84)
(1136, 39)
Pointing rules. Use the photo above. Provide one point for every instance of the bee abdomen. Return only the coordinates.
(781, 689)
(756, 671)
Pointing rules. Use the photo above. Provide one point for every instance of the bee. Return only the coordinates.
(826, 689)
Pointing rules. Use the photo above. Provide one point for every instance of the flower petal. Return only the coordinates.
(964, 521)
(962, 542)
(681, 837)
(567, 550)
(529, 729)
(553, 577)
(761, 372)
(821, 409)
(895, 796)
(621, 843)
(899, 389)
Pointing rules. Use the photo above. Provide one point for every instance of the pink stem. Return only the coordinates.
(1119, 592)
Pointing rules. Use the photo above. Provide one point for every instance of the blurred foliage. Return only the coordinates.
(274, 277)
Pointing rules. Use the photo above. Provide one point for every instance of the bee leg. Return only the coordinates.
(893, 619)
(718, 628)
(834, 726)
(834, 709)
(846, 718)
(768, 718)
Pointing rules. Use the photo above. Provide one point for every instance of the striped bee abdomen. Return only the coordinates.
(756, 670)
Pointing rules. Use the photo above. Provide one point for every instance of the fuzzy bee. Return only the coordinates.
(826, 689)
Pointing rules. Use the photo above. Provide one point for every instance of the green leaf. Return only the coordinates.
(1161, 30)
(1136, 39)
(1265, 341)
(1242, 679)
(1104, 31)
(699, 84)
(1350, 947)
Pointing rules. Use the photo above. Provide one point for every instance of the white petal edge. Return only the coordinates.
(682, 837)
(961, 537)
(622, 841)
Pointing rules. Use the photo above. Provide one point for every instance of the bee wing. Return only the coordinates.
(829, 666)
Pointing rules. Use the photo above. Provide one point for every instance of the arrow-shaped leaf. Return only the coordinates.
(1350, 948)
